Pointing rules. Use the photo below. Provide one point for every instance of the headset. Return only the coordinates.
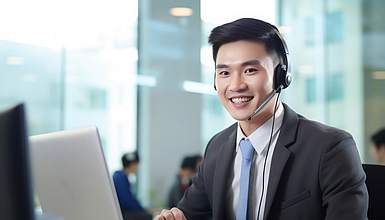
(281, 80)
(282, 77)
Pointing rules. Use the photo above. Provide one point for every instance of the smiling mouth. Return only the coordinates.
(241, 100)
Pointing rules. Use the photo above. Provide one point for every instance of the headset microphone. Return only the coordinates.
(264, 103)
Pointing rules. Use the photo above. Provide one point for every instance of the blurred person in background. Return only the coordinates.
(378, 149)
(124, 182)
(187, 170)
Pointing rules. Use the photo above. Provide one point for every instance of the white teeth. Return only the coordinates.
(240, 100)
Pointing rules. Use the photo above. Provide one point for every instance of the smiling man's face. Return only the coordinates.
(244, 77)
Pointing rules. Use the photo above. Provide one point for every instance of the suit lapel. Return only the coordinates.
(281, 155)
(222, 176)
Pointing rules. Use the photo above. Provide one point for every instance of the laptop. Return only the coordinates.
(71, 177)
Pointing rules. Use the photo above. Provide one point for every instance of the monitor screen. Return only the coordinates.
(16, 201)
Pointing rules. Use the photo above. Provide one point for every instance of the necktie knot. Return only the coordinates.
(247, 149)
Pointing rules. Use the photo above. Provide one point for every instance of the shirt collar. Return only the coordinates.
(260, 137)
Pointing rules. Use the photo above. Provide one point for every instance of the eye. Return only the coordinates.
(223, 73)
(251, 71)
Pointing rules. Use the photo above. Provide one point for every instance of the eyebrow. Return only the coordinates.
(246, 63)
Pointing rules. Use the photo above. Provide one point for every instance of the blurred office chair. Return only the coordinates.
(375, 182)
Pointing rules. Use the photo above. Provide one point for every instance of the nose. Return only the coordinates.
(237, 83)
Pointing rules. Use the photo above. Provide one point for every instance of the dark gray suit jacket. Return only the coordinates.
(315, 173)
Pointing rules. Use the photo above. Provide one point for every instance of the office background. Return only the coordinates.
(142, 71)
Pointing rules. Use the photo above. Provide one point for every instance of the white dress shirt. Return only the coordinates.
(260, 140)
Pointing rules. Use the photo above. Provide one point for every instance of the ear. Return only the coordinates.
(276, 60)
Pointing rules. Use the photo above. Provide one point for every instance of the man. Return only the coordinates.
(130, 206)
(273, 163)
(378, 150)
(187, 170)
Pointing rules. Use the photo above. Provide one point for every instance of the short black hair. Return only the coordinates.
(191, 162)
(129, 158)
(249, 29)
(378, 138)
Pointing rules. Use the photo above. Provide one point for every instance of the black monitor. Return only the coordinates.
(375, 182)
(16, 201)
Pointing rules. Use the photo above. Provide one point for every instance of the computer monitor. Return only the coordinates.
(16, 201)
(71, 177)
(375, 182)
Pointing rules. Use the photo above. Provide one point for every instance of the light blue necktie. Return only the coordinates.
(247, 159)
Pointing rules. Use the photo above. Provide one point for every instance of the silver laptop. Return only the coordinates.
(71, 177)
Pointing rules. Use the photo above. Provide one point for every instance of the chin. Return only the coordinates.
(241, 117)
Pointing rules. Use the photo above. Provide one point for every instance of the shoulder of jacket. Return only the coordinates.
(322, 130)
(224, 134)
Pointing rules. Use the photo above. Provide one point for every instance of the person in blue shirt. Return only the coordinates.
(123, 182)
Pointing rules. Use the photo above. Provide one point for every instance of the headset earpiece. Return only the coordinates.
(282, 78)
(277, 77)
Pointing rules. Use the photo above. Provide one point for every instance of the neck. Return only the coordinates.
(128, 171)
(249, 126)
